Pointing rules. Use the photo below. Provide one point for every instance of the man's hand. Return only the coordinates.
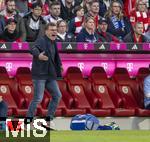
(1, 98)
(43, 57)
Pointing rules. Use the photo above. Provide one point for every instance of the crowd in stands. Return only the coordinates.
(77, 20)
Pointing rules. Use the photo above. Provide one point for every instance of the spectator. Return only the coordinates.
(67, 9)
(102, 31)
(94, 11)
(104, 5)
(85, 5)
(2, 5)
(45, 5)
(10, 33)
(10, 12)
(140, 14)
(136, 36)
(88, 34)
(118, 24)
(147, 92)
(62, 35)
(54, 13)
(75, 24)
(34, 23)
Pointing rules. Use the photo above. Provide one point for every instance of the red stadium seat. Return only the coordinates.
(68, 100)
(81, 91)
(25, 88)
(5, 91)
(128, 89)
(105, 90)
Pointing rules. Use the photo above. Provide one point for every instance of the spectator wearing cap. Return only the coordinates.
(140, 14)
(11, 12)
(67, 9)
(137, 35)
(54, 13)
(75, 25)
(102, 31)
(62, 34)
(10, 33)
(118, 24)
(88, 34)
(34, 23)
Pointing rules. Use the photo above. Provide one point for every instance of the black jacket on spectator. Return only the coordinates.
(45, 69)
(68, 14)
(20, 25)
(84, 36)
(68, 38)
(130, 38)
(31, 34)
(10, 37)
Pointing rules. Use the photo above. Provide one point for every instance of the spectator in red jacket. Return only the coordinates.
(140, 14)
(10, 33)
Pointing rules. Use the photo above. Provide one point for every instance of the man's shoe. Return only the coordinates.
(50, 126)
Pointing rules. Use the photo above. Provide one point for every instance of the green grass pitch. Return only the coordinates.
(100, 136)
(86, 136)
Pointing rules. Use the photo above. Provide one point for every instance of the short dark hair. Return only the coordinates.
(36, 4)
(50, 24)
(8, 1)
(77, 8)
(55, 3)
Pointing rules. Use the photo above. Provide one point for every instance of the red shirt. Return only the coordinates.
(136, 16)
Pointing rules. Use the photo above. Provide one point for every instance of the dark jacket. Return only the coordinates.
(119, 33)
(68, 38)
(107, 36)
(10, 37)
(84, 36)
(32, 35)
(20, 25)
(130, 38)
(50, 69)
(68, 14)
